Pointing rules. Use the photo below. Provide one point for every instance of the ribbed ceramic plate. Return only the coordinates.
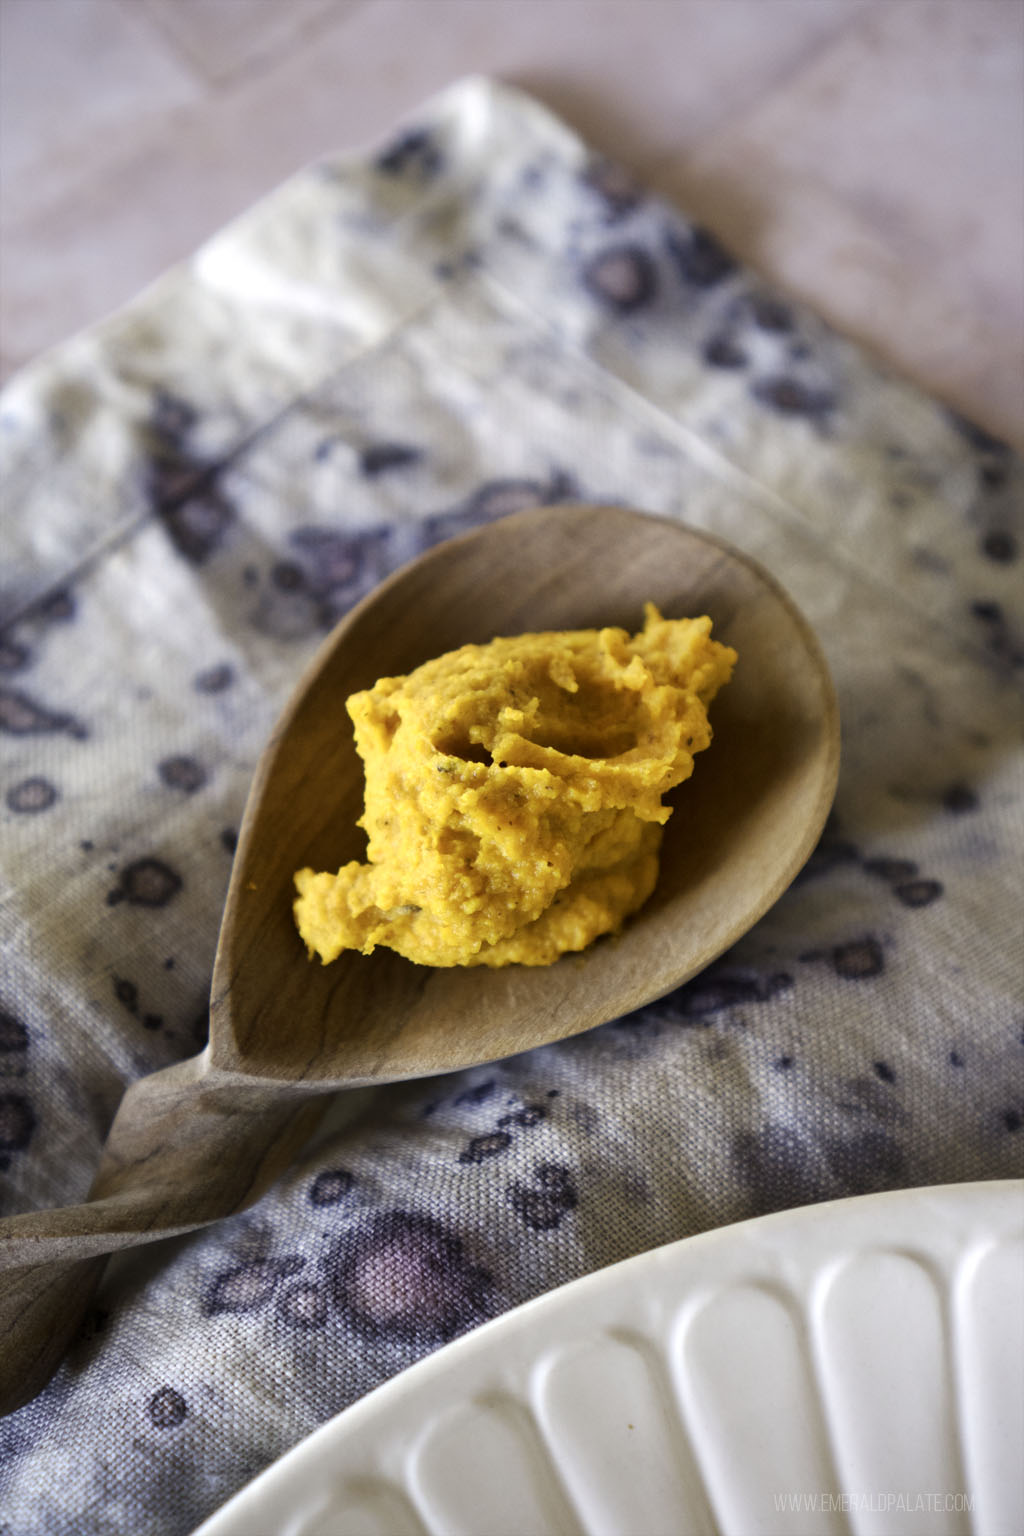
(857, 1366)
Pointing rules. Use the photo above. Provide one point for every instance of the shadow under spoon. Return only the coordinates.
(204, 1138)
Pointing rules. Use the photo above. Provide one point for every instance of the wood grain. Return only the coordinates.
(204, 1138)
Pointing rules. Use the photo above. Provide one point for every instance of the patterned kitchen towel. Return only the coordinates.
(481, 316)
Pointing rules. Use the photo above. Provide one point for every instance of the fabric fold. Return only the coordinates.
(476, 316)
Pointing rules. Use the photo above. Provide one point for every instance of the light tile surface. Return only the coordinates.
(77, 79)
(950, 80)
(868, 155)
(223, 38)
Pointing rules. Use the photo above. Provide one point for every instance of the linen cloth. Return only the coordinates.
(477, 316)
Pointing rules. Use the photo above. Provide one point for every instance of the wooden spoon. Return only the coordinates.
(199, 1140)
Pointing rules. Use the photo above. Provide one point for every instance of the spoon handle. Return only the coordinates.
(189, 1145)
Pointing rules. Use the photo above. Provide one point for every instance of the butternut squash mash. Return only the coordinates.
(513, 794)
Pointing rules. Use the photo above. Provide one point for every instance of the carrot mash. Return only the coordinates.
(513, 794)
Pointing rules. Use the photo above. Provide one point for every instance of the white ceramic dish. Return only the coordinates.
(857, 1366)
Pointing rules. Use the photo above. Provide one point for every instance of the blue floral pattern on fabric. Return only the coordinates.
(479, 317)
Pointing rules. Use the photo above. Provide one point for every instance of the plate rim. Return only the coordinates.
(975, 1196)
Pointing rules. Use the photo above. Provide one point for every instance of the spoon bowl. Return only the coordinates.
(742, 827)
(198, 1140)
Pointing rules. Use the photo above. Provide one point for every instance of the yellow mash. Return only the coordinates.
(513, 794)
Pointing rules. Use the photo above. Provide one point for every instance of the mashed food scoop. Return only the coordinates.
(202, 1139)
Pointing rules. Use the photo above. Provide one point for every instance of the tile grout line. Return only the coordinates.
(257, 65)
(151, 138)
(165, 37)
(143, 16)
(314, 26)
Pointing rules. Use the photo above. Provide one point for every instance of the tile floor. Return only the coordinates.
(866, 154)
